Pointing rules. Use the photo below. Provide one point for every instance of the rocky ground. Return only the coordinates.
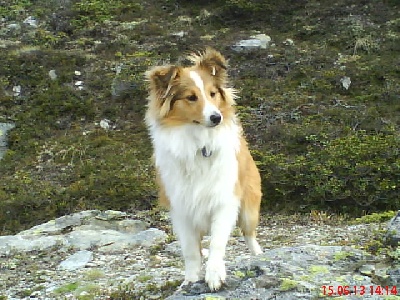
(112, 255)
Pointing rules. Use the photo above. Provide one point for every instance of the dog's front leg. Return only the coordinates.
(223, 222)
(189, 239)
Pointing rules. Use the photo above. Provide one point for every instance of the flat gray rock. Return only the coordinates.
(61, 225)
(147, 238)
(76, 261)
(109, 231)
(13, 244)
(259, 41)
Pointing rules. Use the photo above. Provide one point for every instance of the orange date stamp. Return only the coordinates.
(360, 290)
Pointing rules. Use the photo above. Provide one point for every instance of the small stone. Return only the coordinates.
(16, 90)
(35, 295)
(259, 41)
(31, 21)
(288, 42)
(52, 74)
(179, 34)
(367, 270)
(12, 265)
(105, 124)
(79, 85)
(345, 81)
(76, 261)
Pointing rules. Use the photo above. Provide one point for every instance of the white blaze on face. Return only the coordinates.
(209, 108)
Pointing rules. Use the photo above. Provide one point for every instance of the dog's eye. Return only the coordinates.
(212, 94)
(192, 98)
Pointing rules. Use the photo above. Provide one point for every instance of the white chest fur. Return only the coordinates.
(196, 185)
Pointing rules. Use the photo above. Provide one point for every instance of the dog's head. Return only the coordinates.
(197, 94)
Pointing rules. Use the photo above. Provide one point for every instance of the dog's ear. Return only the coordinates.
(162, 79)
(213, 62)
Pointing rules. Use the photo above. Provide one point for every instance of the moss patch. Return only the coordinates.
(288, 284)
(68, 288)
(153, 290)
(342, 255)
(316, 269)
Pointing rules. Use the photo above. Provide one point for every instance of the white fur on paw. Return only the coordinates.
(253, 245)
(190, 279)
(257, 250)
(215, 275)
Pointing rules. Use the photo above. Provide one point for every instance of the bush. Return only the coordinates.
(357, 172)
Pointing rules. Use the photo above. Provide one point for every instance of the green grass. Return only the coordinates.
(67, 288)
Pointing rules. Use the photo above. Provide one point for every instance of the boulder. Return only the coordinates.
(393, 230)
(110, 231)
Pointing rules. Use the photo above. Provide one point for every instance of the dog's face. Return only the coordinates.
(191, 95)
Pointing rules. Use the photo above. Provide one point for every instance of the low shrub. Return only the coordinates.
(359, 171)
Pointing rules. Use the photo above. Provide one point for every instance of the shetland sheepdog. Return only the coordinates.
(205, 172)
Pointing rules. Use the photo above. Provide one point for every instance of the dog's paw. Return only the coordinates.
(257, 250)
(190, 278)
(215, 275)
(252, 243)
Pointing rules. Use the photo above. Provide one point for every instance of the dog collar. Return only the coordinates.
(205, 152)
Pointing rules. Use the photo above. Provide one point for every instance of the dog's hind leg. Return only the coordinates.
(248, 221)
(249, 189)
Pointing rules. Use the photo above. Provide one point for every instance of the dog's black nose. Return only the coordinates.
(215, 118)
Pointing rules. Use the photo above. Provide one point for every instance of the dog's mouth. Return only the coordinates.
(212, 125)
